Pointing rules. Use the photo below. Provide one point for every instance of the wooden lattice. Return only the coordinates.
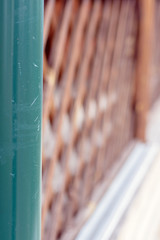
(90, 52)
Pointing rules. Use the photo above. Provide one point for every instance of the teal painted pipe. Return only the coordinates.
(21, 30)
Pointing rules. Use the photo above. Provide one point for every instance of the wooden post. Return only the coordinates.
(143, 71)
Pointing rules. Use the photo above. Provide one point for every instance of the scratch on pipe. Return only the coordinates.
(12, 174)
(34, 100)
(35, 65)
(36, 119)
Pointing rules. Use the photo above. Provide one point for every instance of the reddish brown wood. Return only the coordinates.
(72, 61)
(143, 71)
(89, 58)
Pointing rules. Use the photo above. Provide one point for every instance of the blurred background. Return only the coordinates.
(100, 114)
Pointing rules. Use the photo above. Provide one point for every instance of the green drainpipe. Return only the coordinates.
(21, 30)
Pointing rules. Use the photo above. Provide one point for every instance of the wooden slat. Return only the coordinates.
(146, 24)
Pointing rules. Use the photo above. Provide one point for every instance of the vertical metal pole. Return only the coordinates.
(21, 28)
(143, 70)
